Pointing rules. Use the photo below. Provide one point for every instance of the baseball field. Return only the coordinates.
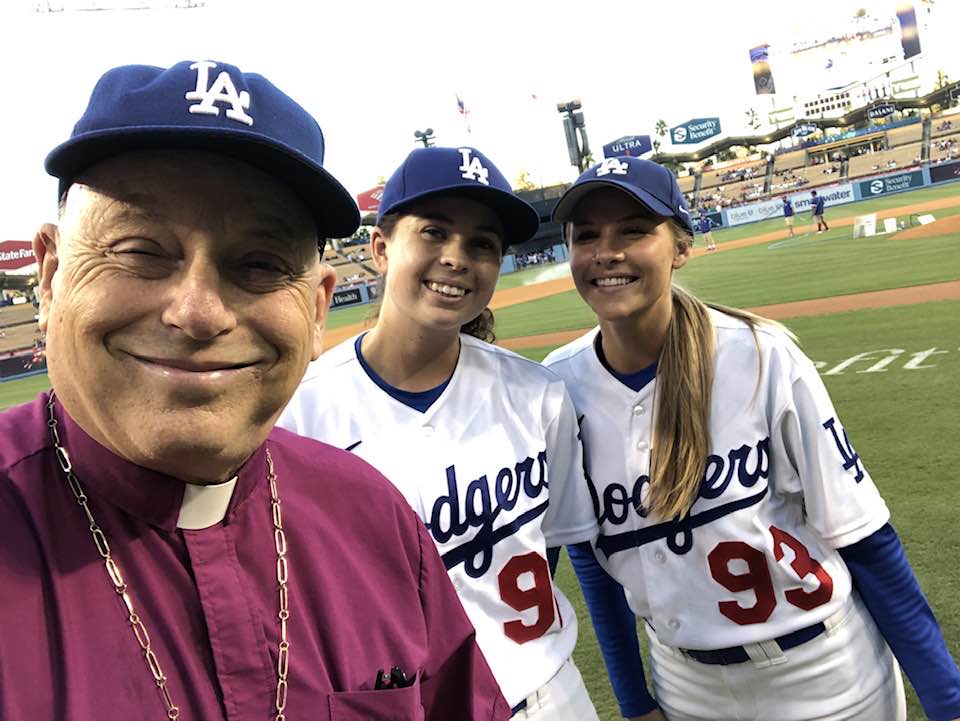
(880, 316)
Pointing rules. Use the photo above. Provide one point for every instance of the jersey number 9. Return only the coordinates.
(538, 596)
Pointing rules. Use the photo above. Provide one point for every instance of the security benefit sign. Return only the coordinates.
(16, 254)
(695, 131)
(629, 145)
(891, 184)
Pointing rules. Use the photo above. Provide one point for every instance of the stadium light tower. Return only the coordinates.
(575, 129)
(424, 136)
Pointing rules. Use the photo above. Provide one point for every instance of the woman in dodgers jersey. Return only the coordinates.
(736, 518)
(476, 437)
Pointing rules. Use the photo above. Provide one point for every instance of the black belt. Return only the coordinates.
(738, 654)
(518, 708)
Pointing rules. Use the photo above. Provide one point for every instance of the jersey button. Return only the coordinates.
(642, 445)
(660, 556)
(673, 623)
(428, 431)
(638, 410)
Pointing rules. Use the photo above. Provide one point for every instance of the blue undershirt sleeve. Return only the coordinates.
(616, 629)
(553, 558)
(885, 581)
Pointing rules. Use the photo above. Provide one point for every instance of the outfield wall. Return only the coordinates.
(843, 193)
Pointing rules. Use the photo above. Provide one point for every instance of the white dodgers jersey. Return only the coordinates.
(494, 469)
(782, 489)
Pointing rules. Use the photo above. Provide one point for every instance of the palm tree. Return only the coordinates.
(661, 128)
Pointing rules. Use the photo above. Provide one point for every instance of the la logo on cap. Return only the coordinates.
(612, 165)
(222, 91)
(472, 168)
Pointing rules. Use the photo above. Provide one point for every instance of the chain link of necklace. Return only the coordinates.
(120, 586)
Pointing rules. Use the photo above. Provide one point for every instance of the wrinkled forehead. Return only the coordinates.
(184, 188)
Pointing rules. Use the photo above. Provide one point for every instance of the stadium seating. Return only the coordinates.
(905, 135)
(897, 158)
(787, 161)
(18, 337)
(15, 314)
(944, 126)
(714, 178)
(686, 183)
(945, 147)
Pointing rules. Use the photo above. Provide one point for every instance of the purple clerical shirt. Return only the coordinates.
(367, 592)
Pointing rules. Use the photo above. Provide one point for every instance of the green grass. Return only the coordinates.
(528, 276)
(903, 424)
(820, 266)
(349, 315)
(874, 205)
(20, 391)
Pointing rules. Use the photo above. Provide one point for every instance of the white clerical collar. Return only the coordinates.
(205, 506)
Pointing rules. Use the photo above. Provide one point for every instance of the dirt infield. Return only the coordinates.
(818, 306)
(524, 293)
(937, 227)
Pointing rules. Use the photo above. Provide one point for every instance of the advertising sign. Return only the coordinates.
(802, 130)
(880, 110)
(832, 195)
(369, 200)
(629, 145)
(695, 131)
(348, 296)
(891, 184)
(946, 171)
(16, 254)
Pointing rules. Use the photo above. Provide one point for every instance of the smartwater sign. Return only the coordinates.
(629, 145)
(695, 131)
(891, 184)
(832, 195)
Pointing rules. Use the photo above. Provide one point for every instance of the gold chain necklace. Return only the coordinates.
(120, 586)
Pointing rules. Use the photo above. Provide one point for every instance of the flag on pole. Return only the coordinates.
(464, 112)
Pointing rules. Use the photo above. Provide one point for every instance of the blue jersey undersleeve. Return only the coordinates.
(616, 629)
(886, 583)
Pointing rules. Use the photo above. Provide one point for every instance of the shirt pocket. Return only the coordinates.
(395, 704)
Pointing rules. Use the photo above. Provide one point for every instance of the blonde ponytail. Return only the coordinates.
(685, 375)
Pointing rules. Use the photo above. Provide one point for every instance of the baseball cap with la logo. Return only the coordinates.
(213, 107)
(460, 171)
(652, 185)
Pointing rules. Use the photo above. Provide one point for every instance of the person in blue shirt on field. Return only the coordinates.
(705, 226)
(788, 214)
(816, 203)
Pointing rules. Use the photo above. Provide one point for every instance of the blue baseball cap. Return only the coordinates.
(652, 185)
(459, 171)
(213, 107)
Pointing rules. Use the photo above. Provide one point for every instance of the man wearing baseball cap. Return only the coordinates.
(164, 551)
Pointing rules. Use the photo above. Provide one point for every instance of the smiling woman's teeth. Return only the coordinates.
(450, 290)
(603, 282)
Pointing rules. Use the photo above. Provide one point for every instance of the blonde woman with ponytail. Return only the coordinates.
(736, 519)
(481, 441)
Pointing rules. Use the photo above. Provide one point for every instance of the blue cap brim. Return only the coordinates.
(569, 200)
(520, 220)
(333, 208)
